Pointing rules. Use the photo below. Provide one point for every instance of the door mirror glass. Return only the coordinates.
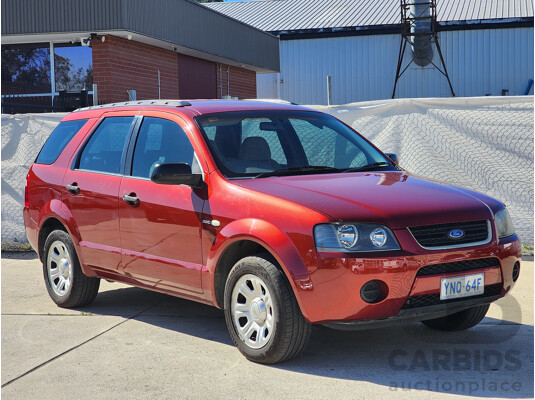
(175, 174)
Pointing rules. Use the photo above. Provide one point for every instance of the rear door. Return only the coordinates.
(160, 224)
(92, 185)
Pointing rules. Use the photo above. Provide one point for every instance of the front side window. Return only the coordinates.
(160, 141)
(58, 140)
(104, 149)
(250, 144)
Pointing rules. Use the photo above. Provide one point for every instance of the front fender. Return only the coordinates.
(265, 234)
(270, 237)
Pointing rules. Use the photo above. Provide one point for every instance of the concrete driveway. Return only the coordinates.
(131, 343)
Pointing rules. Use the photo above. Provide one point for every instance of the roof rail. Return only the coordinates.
(170, 103)
(278, 101)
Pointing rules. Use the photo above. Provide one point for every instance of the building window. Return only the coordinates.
(73, 69)
(41, 77)
(26, 68)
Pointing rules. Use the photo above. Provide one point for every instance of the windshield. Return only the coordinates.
(256, 144)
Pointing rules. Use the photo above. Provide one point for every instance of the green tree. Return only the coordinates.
(26, 69)
(69, 78)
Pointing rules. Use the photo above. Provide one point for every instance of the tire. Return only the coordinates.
(67, 285)
(459, 321)
(276, 328)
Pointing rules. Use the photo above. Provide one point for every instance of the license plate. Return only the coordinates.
(462, 286)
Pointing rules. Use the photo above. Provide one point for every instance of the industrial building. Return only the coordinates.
(487, 46)
(54, 52)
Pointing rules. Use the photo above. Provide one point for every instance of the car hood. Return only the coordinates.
(393, 198)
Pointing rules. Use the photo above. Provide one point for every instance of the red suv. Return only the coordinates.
(280, 215)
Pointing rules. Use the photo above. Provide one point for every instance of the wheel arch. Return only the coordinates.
(253, 237)
(56, 215)
(51, 224)
(232, 254)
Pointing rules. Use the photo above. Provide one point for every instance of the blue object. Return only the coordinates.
(456, 233)
(530, 84)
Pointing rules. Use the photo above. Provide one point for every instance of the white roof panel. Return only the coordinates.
(291, 15)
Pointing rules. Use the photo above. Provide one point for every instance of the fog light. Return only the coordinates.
(373, 291)
(516, 271)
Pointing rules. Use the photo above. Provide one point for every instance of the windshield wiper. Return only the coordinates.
(307, 169)
(368, 167)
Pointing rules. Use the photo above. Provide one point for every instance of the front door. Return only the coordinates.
(160, 224)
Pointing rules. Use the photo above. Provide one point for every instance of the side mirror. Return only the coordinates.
(393, 157)
(175, 174)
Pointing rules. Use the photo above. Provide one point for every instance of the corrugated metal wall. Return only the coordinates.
(363, 68)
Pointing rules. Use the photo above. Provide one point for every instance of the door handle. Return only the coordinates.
(131, 199)
(73, 188)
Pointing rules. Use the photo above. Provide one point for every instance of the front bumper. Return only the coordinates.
(415, 314)
(331, 295)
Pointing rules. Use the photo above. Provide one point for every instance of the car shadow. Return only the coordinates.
(19, 255)
(494, 359)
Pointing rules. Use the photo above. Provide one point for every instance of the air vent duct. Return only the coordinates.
(420, 17)
(418, 29)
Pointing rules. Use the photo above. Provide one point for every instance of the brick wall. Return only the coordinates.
(242, 82)
(121, 64)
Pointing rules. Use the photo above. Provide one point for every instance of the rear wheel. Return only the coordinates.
(66, 283)
(262, 314)
(465, 319)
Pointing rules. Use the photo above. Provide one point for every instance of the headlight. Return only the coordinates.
(504, 225)
(354, 237)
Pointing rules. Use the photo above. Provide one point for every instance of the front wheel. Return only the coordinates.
(66, 283)
(262, 314)
(459, 321)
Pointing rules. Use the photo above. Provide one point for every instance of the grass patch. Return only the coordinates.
(527, 249)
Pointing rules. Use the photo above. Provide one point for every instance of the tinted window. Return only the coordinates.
(58, 139)
(105, 147)
(160, 141)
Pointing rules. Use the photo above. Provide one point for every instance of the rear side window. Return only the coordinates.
(58, 140)
(104, 149)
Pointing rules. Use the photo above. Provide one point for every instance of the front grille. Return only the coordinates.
(458, 266)
(434, 299)
(438, 235)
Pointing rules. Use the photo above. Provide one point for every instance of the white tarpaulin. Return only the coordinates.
(23, 136)
(485, 144)
(482, 143)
